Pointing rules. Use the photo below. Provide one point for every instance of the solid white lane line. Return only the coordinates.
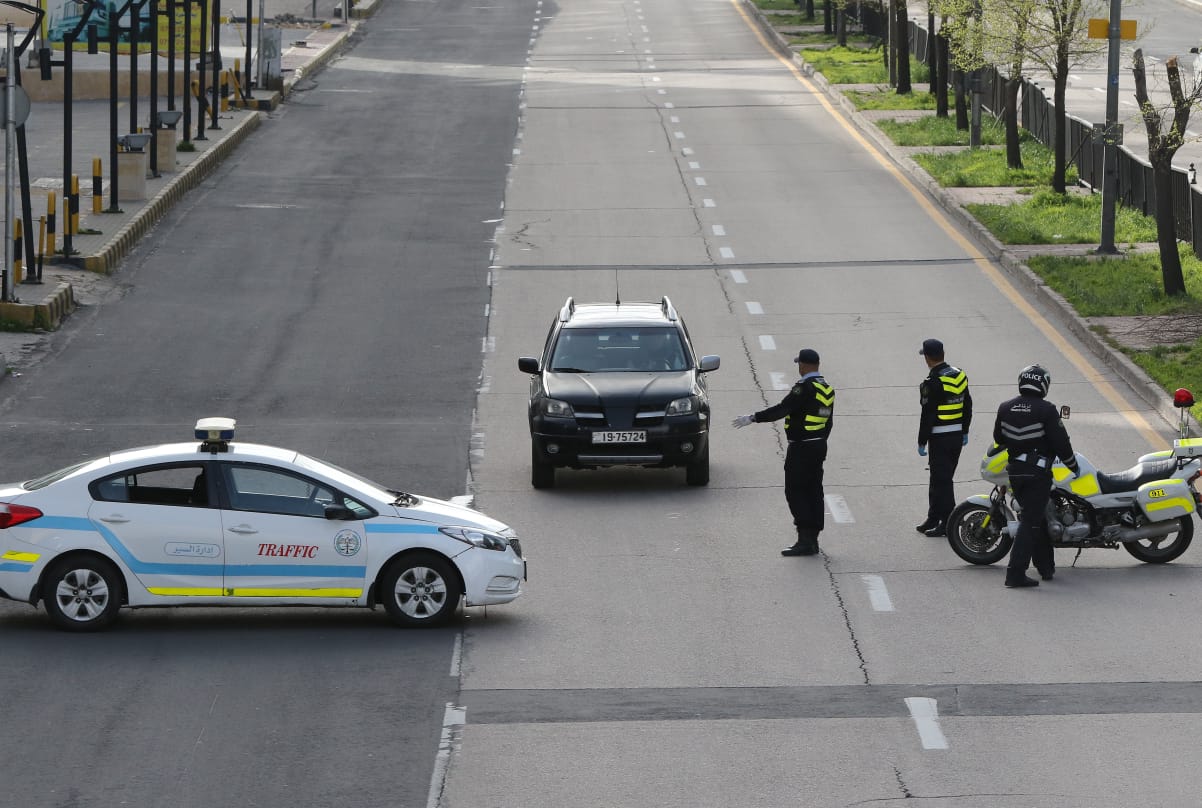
(452, 721)
(878, 595)
(737, 276)
(457, 655)
(754, 308)
(767, 343)
(925, 713)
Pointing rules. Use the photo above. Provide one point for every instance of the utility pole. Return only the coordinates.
(1111, 133)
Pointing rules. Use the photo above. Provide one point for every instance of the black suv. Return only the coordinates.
(618, 385)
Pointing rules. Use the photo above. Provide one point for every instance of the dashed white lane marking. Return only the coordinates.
(452, 726)
(767, 343)
(878, 595)
(925, 713)
(754, 308)
(694, 165)
(669, 105)
(655, 78)
(708, 203)
(738, 276)
(718, 229)
(779, 382)
(661, 92)
(686, 151)
(674, 119)
(489, 344)
(679, 135)
(457, 656)
(516, 152)
(699, 180)
(726, 252)
(840, 512)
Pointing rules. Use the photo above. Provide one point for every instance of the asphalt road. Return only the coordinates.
(328, 287)
(439, 190)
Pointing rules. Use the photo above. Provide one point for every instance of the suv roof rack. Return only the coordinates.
(667, 308)
(569, 308)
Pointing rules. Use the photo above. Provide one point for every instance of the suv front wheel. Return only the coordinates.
(698, 472)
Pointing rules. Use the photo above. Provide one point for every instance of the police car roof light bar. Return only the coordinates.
(215, 433)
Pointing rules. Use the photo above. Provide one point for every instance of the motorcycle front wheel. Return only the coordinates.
(1165, 548)
(972, 542)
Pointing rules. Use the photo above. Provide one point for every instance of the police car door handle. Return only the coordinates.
(116, 519)
(243, 529)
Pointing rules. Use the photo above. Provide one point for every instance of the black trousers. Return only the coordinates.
(1032, 488)
(943, 454)
(803, 482)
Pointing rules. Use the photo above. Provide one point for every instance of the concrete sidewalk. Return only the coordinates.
(105, 238)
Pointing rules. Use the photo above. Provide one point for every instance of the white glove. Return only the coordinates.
(741, 421)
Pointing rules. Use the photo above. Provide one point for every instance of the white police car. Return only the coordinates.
(221, 523)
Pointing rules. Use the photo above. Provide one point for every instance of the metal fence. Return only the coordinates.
(1037, 116)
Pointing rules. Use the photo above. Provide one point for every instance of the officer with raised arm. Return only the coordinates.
(809, 413)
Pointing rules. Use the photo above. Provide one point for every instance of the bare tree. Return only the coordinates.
(1165, 137)
(901, 25)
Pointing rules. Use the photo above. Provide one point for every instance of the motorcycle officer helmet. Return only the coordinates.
(1034, 380)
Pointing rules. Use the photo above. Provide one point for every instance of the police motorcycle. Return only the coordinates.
(1145, 509)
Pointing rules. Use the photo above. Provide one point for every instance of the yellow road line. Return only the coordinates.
(1107, 390)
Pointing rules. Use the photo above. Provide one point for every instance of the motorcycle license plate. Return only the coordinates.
(630, 436)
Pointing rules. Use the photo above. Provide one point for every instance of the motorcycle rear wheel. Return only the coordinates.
(970, 541)
(1166, 549)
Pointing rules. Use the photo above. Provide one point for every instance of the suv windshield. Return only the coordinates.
(618, 348)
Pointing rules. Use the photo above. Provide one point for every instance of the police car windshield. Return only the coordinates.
(346, 478)
(618, 348)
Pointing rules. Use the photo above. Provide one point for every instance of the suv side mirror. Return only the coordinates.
(528, 364)
(709, 363)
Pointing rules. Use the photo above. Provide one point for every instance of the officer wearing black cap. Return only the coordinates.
(1029, 428)
(942, 432)
(809, 413)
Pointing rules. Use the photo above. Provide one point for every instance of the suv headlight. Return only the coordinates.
(557, 409)
(682, 406)
(484, 539)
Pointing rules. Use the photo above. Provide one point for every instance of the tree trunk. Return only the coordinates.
(809, 9)
(1161, 148)
(1014, 155)
(1166, 229)
(828, 18)
(841, 26)
(932, 51)
(941, 89)
(961, 100)
(903, 48)
(1059, 146)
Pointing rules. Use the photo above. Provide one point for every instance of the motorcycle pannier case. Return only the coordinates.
(1165, 499)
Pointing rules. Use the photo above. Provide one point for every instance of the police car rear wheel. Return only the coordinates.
(82, 593)
(420, 590)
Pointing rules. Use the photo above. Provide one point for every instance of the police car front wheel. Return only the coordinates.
(82, 593)
(419, 590)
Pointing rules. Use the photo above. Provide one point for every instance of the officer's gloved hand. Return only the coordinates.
(922, 450)
(741, 421)
(1072, 466)
(964, 440)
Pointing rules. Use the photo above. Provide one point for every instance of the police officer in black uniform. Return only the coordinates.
(809, 413)
(1029, 427)
(942, 432)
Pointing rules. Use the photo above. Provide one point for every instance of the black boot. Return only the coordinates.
(807, 543)
(927, 525)
(1019, 581)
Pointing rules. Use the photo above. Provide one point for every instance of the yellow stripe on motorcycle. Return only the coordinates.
(1060, 473)
(293, 593)
(27, 558)
(1185, 503)
(1085, 485)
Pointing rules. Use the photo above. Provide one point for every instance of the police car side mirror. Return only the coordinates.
(1064, 411)
(340, 513)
